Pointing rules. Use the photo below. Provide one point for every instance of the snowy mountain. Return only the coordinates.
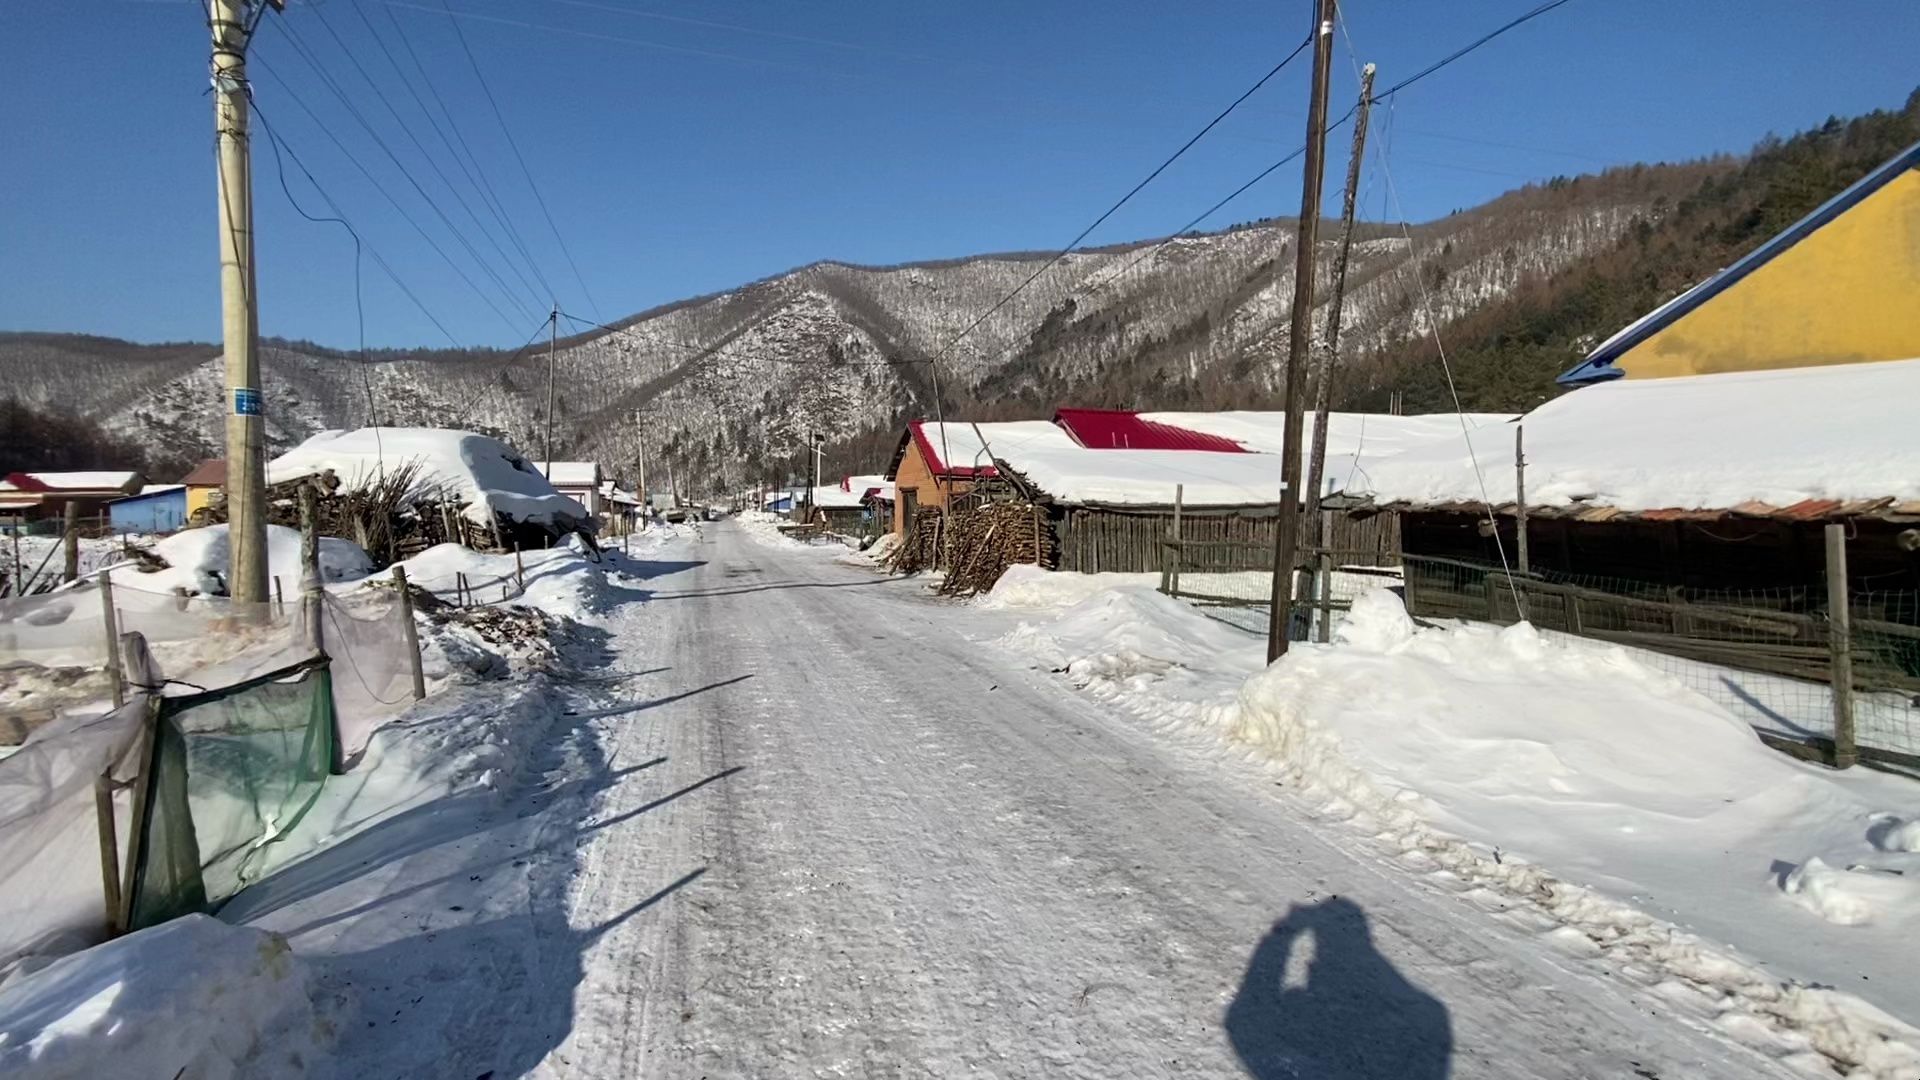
(726, 388)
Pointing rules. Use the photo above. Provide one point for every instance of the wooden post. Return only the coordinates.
(460, 590)
(71, 541)
(1323, 574)
(310, 565)
(1840, 642)
(108, 832)
(279, 597)
(107, 613)
(1036, 533)
(409, 631)
(1177, 552)
(137, 662)
(1520, 499)
(519, 566)
(17, 583)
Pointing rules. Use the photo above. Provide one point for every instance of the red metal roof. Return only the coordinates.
(1121, 429)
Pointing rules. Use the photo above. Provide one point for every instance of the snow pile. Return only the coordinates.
(1693, 442)
(1029, 587)
(1563, 779)
(1080, 476)
(561, 580)
(197, 561)
(485, 474)
(764, 528)
(192, 998)
(875, 555)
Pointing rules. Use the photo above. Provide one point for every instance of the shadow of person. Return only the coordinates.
(1319, 1003)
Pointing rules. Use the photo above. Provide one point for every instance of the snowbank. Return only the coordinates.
(1564, 779)
(192, 998)
(486, 474)
(197, 561)
(1694, 442)
(1030, 587)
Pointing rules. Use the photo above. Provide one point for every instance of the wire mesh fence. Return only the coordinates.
(1766, 654)
(1232, 580)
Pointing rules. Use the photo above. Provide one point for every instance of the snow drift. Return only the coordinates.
(197, 561)
(194, 997)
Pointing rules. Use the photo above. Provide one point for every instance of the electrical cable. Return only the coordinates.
(514, 145)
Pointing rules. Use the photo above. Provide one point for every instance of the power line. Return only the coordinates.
(517, 156)
(1124, 199)
(545, 290)
(277, 144)
(405, 215)
(407, 130)
(486, 184)
(466, 410)
(307, 56)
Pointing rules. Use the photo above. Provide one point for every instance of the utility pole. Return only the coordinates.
(1329, 354)
(1286, 539)
(232, 24)
(553, 341)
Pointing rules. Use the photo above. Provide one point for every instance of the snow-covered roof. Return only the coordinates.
(153, 489)
(1370, 435)
(612, 493)
(484, 473)
(1208, 478)
(1744, 441)
(72, 481)
(957, 448)
(834, 497)
(569, 473)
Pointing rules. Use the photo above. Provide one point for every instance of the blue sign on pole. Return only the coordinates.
(246, 401)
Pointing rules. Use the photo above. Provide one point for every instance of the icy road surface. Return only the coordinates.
(829, 829)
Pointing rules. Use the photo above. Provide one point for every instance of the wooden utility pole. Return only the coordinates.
(1520, 501)
(1329, 354)
(553, 343)
(1286, 540)
(310, 582)
(232, 22)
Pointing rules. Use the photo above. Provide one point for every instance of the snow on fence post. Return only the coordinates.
(1840, 644)
(408, 630)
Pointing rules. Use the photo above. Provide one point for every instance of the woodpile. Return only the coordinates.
(921, 548)
(978, 545)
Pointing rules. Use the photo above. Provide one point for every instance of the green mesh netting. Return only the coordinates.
(233, 771)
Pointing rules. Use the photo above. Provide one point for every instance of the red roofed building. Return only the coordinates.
(1123, 429)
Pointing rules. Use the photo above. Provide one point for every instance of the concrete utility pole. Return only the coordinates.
(1286, 540)
(553, 342)
(232, 23)
(1329, 354)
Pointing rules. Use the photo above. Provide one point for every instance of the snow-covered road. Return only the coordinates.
(809, 823)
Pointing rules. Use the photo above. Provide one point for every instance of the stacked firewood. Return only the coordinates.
(988, 539)
(921, 548)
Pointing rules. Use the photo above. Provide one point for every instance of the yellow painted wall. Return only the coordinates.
(914, 476)
(197, 497)
(1847, 293)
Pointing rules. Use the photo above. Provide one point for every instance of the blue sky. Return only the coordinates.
(690, 147)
